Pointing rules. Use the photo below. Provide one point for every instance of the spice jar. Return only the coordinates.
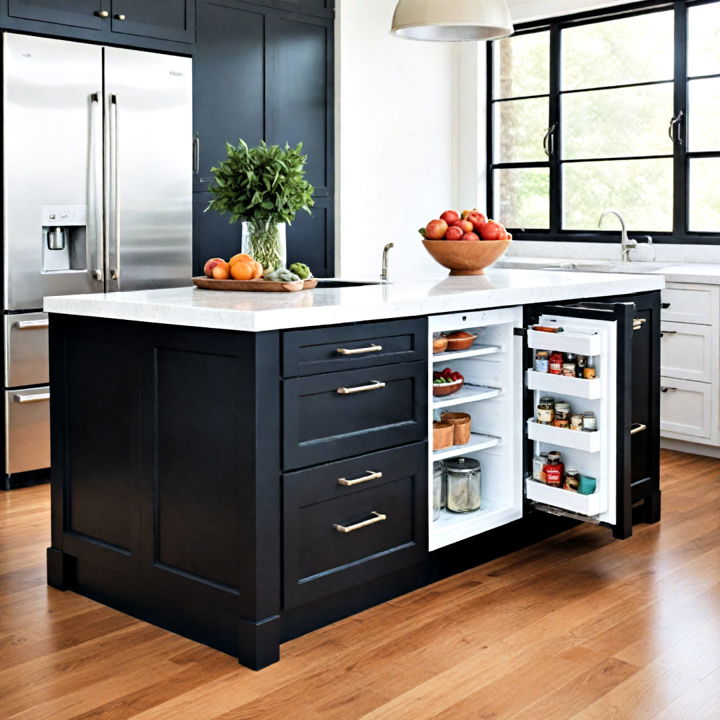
(589, 422)
(568, 369)
(538, 463)
(562, 410)
(463, 484)
(438, 475)
(554, 470)
(555, 363)
(576, 421)
(589, 370)
(542, 361)
(546, 410)
(581, 364)
(572, 479)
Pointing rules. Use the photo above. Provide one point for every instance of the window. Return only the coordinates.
(613, 109)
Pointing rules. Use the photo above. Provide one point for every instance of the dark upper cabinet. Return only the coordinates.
(160, 19)
(213, 235)
(86, 14)
(301, 92)
(229, 80)
(310, 238)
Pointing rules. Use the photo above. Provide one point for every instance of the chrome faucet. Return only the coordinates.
(384, 272)
(626, 243)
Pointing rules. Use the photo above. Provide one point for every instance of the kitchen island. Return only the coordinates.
(242, 468)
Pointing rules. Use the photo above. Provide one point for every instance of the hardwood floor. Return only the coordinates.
(579, 627)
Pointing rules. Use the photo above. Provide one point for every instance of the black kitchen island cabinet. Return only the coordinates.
(244, 486)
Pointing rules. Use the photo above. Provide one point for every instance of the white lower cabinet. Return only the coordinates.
(687, 351)
(687, 409)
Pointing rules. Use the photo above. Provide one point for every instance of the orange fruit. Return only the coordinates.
(243, 270)
(221, 271)
(240, 257)
(258, 270)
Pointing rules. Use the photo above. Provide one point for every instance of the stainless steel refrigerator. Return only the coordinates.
(97, 184)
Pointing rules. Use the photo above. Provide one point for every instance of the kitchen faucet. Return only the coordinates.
(626, 243)
(384, 272)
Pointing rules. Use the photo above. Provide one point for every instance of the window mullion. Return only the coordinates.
(490, 133)
(554, 122)
(680, 160)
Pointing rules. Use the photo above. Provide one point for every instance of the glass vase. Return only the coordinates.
(265, 242)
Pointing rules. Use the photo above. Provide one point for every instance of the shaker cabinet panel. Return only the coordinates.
(687, 409)
(160, 19)
(228, 81)
(74, 13)
(687, 351)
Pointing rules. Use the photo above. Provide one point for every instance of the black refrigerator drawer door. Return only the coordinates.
(336, 415)
(337, 536)
(345, 347)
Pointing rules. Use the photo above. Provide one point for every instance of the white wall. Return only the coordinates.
(397, 138)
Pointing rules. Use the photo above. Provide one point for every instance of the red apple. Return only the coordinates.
(436, 230)
(454, 233)
(210, 264)
(471, 237)
(450, 217)
(492, 230)
(477, 219)
(464, 225)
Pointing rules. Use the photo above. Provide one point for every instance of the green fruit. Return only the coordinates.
(301, 270)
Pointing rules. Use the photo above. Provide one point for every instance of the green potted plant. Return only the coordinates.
(264, 187)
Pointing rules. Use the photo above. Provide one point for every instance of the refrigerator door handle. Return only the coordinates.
(115, 190)
(96, 184)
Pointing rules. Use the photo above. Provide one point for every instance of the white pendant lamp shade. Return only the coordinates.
(452, 20)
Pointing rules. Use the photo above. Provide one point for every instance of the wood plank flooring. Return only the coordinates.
(580, 627)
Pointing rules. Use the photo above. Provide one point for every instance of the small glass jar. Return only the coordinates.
(561, 423)
(546, 410)
(576, 422)
(542, 361)
(562, 410)
(556, 363)
(554, 470)
(568, 369)
(589, 421)
(538, 463)
(589, 372)
(572, 479)
(438, 477)
(581, 364)
(463, 484)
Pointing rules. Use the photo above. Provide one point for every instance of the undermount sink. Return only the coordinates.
(340, 283)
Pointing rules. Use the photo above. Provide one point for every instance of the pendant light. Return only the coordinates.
(452, 20)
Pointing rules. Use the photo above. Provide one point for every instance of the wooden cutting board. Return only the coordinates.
(205, 283)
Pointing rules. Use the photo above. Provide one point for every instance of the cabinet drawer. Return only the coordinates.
(26, 349)
(27, 435)
(686, 408)
(336, 415)
(686, 351)
(320, 558)
(345, 347)
(687, 303)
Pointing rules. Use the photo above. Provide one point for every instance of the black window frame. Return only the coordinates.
(680, 233)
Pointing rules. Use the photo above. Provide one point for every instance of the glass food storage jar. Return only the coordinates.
(438, 477)
(463, 484)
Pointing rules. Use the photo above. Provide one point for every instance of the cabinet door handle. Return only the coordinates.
(102, 13)
(376, 518)
(24, 399)
(371, 475)
(638, 323)
(196, 155)
(375, 385)
(665, 305)
(359, 351)
(32, 324)
(668, 332)
(119, 16)
(637, 428)
(667, 389)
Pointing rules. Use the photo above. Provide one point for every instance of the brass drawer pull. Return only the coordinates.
(637, 428)
(102, 13)
(120, 16)
(638, 323)
(359, 351)
(376, 518)
(376, 385)
(371, 475)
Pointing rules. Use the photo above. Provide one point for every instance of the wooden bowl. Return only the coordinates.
(461, 426)
(464, 257)
(443, 389)
(443, 434)
(440, 344)
(463, 343)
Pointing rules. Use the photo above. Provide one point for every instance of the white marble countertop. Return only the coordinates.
(257, 312)
(703, 273)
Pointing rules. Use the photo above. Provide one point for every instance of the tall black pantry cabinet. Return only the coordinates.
(265, 72)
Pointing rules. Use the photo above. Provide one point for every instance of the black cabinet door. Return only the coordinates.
(310, 238)
(213, 235)
(74, 13)
(159, 19)
(229, 80)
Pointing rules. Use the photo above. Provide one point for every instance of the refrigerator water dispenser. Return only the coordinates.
(64, 238)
